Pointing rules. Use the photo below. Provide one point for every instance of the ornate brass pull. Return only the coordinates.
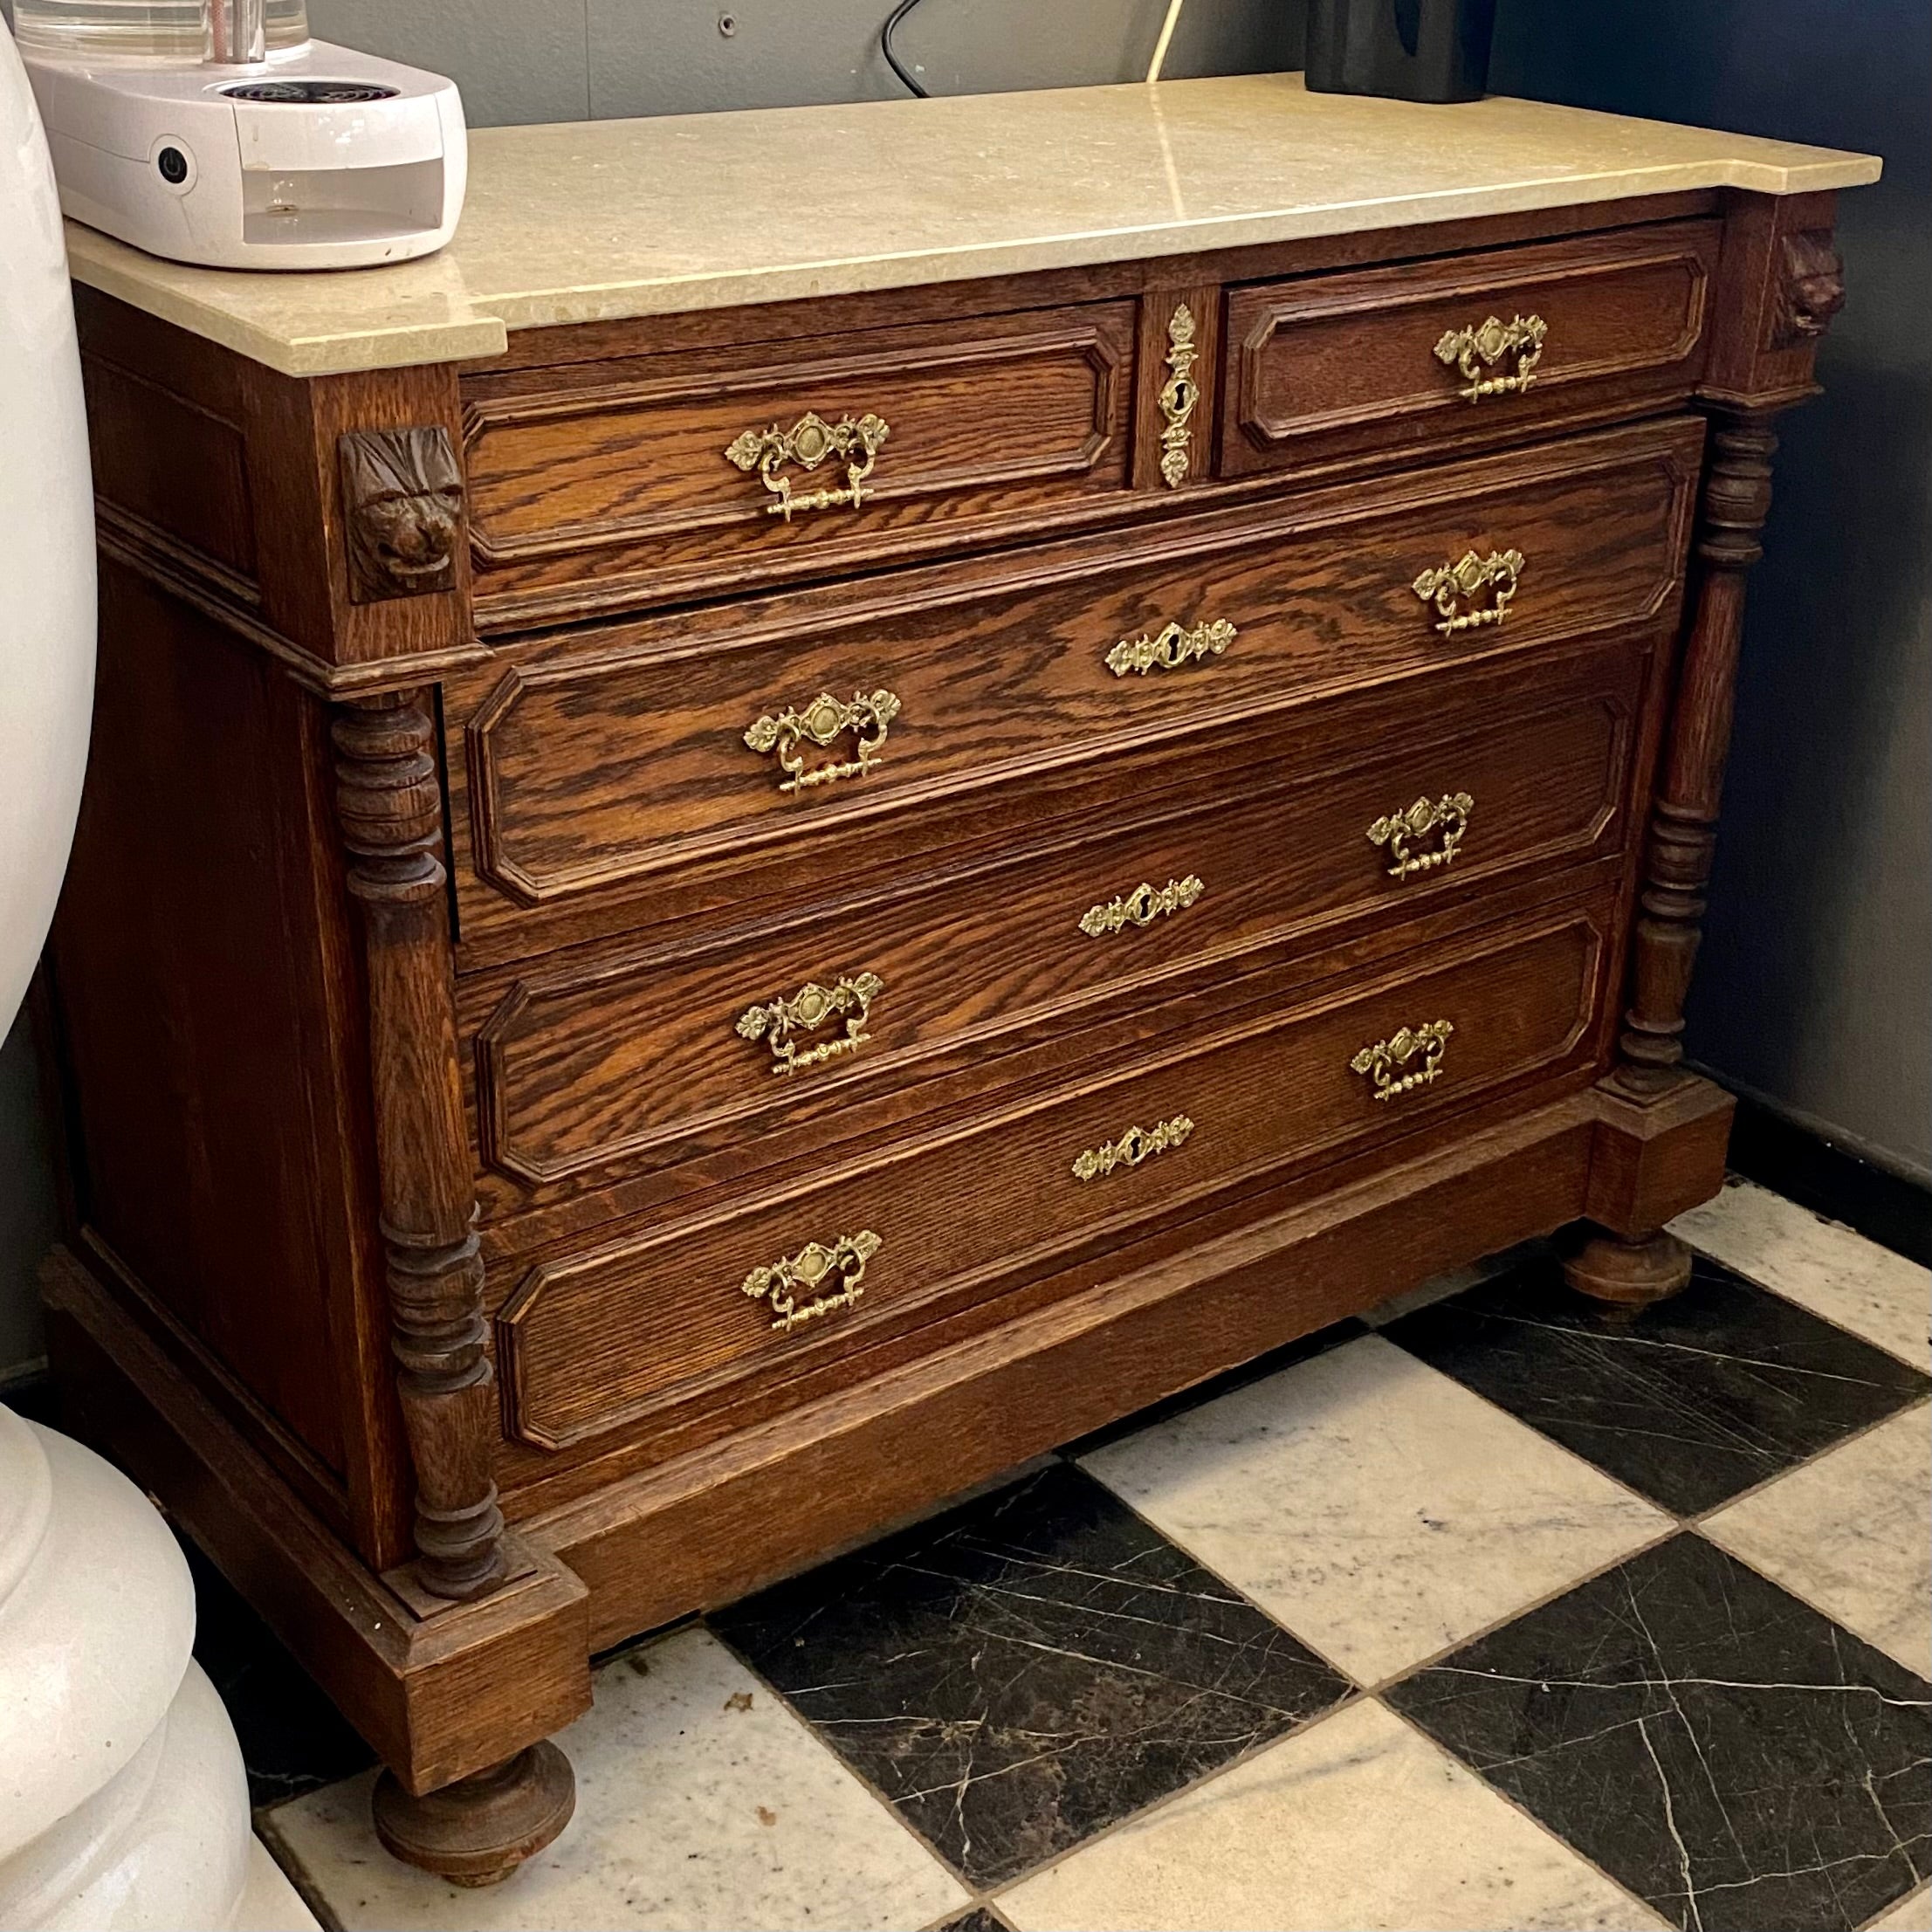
(1382, 1060)
(1178, 395)
(1449, 815)
(1451, 583)
(810, 1007)
(1137, 1144)
(809, 442)
(1170, 648)
(1472, 351)
(815, 1264)
(1141, 907)
(821, 722)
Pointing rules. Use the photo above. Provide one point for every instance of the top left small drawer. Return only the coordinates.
(595, 487)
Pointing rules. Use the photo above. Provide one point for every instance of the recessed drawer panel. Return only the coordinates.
(595, 1341)
(641, 482)
(632, 1059)
(1503, 343)
(778, 731)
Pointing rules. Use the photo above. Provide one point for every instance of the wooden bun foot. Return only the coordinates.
(479, 1830)
(1630, 1274)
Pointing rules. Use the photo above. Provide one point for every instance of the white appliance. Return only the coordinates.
(316, 157)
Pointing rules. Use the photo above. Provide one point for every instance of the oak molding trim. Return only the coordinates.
(178, 572)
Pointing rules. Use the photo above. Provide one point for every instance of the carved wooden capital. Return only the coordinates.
(1811, 288)
(402, 504)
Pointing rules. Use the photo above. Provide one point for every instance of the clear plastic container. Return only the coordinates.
(174, 33)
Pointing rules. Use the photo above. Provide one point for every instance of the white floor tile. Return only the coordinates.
(269, 1902)
(703, 1805)
(1852, 1535)
(1379, 1510)
(1830, 1269)
(1356, 1825)
(1912, 1914)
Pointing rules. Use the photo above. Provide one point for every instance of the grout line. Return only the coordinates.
(851, 1771)
(296, 1873)
(1918, 1891)
(1845, 1227)
(1548, 1830)
(1141, 1813)
(1703, 1516)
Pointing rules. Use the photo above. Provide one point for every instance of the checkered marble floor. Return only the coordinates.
(1493, 1611)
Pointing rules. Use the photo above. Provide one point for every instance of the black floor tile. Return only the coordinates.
(292, 1737)
(1027, 1668)
(979, 1919)
(1689, 1401)
(1719, 1747)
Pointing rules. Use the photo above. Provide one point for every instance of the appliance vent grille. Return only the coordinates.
(310, 94)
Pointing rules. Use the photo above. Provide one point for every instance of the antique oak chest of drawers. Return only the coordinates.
(704, 918)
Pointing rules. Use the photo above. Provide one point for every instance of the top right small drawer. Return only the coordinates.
(1489, 345)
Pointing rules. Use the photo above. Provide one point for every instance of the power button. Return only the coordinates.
(173, 160)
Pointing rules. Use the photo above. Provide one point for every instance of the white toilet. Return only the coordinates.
(123, 1803)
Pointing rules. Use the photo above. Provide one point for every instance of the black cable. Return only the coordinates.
(892, 21)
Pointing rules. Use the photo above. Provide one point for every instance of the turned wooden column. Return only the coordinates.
(1683, 825)
(390, 808)
(1781, 283)
(1682, 841)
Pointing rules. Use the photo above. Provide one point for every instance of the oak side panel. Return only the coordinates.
(204, 1021)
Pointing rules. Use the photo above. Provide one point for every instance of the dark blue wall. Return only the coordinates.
(1815, 988)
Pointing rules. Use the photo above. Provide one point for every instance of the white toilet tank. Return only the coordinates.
(47, 544)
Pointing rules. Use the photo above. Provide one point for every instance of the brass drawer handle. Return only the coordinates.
(821, 721)
(809, 442)
(1170, 648)
(1449, 815)
(1137, 1144)
(1471, 352)
(808, 1008)
(1382, 1061)
(1141, 907)
(1449, 584)
(815, 1264)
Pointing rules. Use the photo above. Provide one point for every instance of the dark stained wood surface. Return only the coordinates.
(593, 1341)
(617, 757)
(620, 1059)
(617, 477)
(1320, 366)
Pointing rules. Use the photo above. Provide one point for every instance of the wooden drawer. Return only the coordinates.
(591, 487)
(619, 757)
(591, 1342)
(1321, 368)
(621, 1061)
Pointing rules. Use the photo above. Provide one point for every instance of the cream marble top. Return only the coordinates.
(594, 220)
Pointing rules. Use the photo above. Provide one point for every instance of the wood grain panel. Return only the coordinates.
(1324, 366)
(143, 439)
(617, 477)
(627, 1059)
(589, 1342)
(620, 754)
